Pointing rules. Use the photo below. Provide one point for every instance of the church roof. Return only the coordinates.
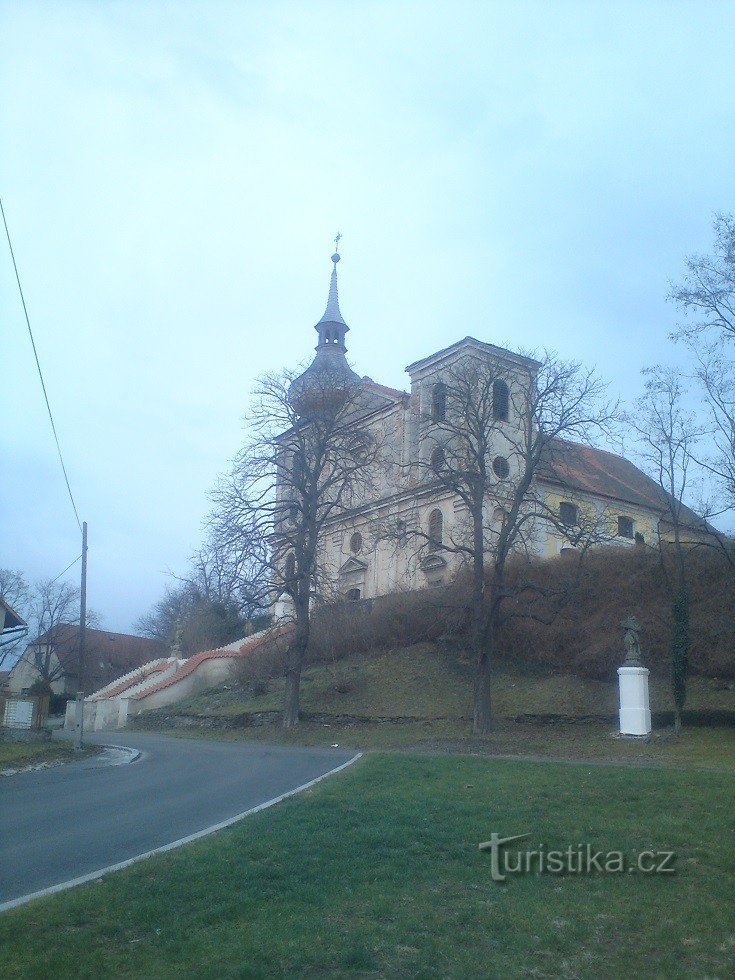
(596, 471)
(479, 345)
(332, 313)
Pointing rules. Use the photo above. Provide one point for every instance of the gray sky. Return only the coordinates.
(174, 173)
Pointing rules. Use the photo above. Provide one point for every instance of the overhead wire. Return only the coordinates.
(40, 372)
(65, 570)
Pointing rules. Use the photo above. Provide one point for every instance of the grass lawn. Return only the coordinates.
(15, 755)
(376, 872)
(707, 748)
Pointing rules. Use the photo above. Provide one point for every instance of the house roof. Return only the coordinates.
(12, 619)
(107, 655)
(596, 471)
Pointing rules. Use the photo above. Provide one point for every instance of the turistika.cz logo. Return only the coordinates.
(577, 859)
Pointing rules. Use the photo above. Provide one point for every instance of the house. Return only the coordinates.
(55, 656)
(575, 483)
(12, 626)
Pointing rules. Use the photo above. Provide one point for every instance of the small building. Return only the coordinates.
(54, 656)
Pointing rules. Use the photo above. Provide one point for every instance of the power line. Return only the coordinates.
(40, 373)
(65, 570)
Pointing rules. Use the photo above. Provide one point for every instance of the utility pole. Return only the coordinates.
(79, 707)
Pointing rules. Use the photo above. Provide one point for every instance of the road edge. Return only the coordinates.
(94, 875)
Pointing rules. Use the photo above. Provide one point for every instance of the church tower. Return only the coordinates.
(329, 376)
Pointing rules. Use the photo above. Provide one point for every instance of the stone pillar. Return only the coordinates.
(635, 711)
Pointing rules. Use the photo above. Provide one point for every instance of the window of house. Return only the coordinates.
(438, 458)
(356, 543)
(568, 514)
(625, 527)
(436, 529)
(290, 566)
(439, 401)
(500, 401)
(498, 515)
(500, 467)
(353, 595)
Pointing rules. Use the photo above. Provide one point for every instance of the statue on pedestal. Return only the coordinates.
(631, 642)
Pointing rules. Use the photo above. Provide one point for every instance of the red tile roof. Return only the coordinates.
(193, 662)
(605, 474)
(108, 655)
(155, 667)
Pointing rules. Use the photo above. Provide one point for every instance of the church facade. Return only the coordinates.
(397, 535)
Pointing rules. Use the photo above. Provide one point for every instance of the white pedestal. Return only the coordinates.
(635, 711)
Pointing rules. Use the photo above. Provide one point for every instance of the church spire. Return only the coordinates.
(332, 327)
(329, 378)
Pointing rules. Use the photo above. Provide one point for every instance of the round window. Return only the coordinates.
(500, 467)
(356, 543)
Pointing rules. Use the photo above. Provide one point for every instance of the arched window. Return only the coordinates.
(353, 595)
(290, 567)
(356, 543)
(500, 401)
(438, 459)
(625, 527)
(501, 468)
(439, 401)
(436, 529)
(498, 515)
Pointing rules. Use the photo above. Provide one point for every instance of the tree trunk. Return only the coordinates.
(482, 718)
(680, 641)
(482, 714)
(294, 660)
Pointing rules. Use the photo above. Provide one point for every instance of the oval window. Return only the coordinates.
(500, 467)
(356, 543)
(437, 458)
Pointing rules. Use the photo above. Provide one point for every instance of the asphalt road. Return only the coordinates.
(62, 823)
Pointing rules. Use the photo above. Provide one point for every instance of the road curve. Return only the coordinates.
(63, 823)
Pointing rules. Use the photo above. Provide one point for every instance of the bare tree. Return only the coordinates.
(308, 460)
(707, 299)
(707, 293)
(490, 436)
(715, 370)
(54, 609)
(668, 436)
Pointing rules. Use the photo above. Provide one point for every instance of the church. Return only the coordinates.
(362, 559)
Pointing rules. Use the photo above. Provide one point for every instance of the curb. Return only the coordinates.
(131, 755)
(94, 875)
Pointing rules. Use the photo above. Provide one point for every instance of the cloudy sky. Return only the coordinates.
(173, 175)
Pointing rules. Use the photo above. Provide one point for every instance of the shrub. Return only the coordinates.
(256, 669)
(581, 635)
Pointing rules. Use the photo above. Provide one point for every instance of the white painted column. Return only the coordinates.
(635, 711)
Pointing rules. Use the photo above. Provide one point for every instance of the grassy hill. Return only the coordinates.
(424, 681)
(421, 697)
